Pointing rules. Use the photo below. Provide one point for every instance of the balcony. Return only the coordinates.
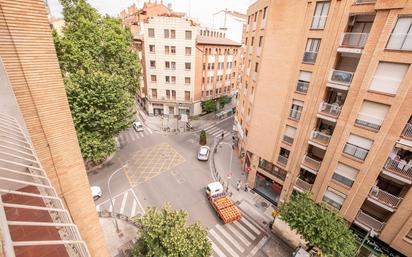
(272, 169)
(407, 131)
(295, 114)
(354, 40)
(320, 138)
(303, 185)
(399, 167)
(302, 87)
(369, 221)
(332, 110)
(384, 197)
(311, 163)
(341, 77)
(310, 57)
(283, 160)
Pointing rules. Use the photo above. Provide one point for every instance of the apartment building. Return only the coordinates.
(46, 207)
(325, 106)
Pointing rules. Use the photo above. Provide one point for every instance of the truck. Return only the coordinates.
(221, 202)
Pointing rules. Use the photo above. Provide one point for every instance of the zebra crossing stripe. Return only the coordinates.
(133, 208)
(219, 132)
(150, 131)
(124, 202)
(224, 244)
(230, 238)
(258, 246)
(212, 130)
(251, 226)
(217, 250)
(238, 235)
(250, 235)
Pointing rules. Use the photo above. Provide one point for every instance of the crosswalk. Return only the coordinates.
(240, 238)
(216, 131)
(125, 203)
(130, 135)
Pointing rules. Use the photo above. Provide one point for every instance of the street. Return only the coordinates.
(164, 168)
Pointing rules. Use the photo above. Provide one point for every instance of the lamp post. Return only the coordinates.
(177, 116)
(371, 233)
(110, 194)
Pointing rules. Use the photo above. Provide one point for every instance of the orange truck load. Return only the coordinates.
(221, 202)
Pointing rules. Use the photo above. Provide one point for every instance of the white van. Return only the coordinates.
(300, 252)
(138, 126)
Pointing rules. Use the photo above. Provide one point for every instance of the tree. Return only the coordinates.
(100, 73)
(163, 232)
(224, 100)
(209, 105)
(202, 138)
(319, 225)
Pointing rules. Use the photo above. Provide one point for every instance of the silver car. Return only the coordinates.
(203, 154)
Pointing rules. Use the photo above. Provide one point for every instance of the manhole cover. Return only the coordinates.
(264, 204)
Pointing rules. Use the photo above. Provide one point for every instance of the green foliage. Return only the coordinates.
(319, 225)
(100, 73)
(163, 232)
(209, 105)
(224, 100)
(202, 138)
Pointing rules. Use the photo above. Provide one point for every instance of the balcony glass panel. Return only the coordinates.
(310, 57)
(302, 87)
(330, 109)
(294, 114)
(341, 77)
(354, 40)
(355, 151)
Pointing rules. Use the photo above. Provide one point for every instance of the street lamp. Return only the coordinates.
(110, 194)
(371, 233)
(177, 116)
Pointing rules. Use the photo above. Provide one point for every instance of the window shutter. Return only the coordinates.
(298, 103)
(360, 141)
(346, 171)
(290, 131)
(305, 76)
(388, 76)
(335, 196)
(373, 112)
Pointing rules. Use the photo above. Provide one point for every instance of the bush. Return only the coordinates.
(209, 105)
(202, 138)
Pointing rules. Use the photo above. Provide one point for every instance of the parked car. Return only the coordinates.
(203, 154)
(138, 126)
(300, 252)
(96, 192)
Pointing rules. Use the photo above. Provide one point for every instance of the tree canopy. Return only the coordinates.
(209, 105)
(163, 232)
(101, 74)
(319, 225)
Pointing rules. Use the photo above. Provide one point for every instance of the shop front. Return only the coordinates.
(267, 188)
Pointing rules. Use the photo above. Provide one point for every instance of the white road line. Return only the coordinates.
(133, 208)
(238, 235)
(251, 226)
(231, 239)
(212, 130)
(250, 235)
(219, 132)
(114, 197)
(137, 200)
(258, 246)
(223, 243)
(211, 126)
(124, 201)
(150, 131)
(217, 250)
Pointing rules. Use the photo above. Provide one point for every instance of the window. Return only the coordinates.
(388, 76)
(289, 135)
(204, 66)
(188, 35)
(256, 14)
(253, 40)
(167, 93)
(264, 12)
(283, 156)
(172, 33)
(357, 147)
(166, 33)
(151, 32)
(173, 49)
(245, 41)
(409, 235)
(153, 64)
(187, 95)
(154, 93)
(173, 79)
(401, 37)
(167, 65)
(256, 67)
(188, 50)
(260, 41)
(167, 79)
(296, 110)
(187, 80)
(167, 49)
(372, 115)
(153, 78)
(311, 51)
(152, 49)
(174, 94)
(320, 15)
(303, 81)
(345, 174)
(173, 65)
(334, 198)
(187, 65)
(248, 19)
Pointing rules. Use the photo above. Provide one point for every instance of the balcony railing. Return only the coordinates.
(356, 151)
(399, 167)
(302, 87)
(407, 131)
(369, 221)
(311, 163)
(29, 204)
(385, 197)
(310, 57)
(320, 137)
(330, 109)
(368, 121)
(272, 169)
(341, 77)
(354, 40)
(305, 186)
(282, 159)
(294, 114)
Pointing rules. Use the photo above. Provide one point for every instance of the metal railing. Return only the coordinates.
(295, 114)
(356, 151)
(320, 137)
(354, 40)
(302, 87)
(385, 197)
(310, 57)
(274, 170)
(282, 159)
(23, 177)
(311, 163)
(330, 109)
(341, 77)
(368, 121)
(407, 131)
(305, 186)
(399, 167)
(369, 221)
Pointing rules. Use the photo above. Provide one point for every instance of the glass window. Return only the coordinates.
(152, 64)
(166, 33)
(268, 188)
(188, 35)
(154, 93)
(372, 115)
(401, 37)
(151, 32)
(264, 12)
(388, 77)
(152, 49)
(320, 15)
(345, 174)
(358, 147)
(167, 49)
(187, 80)
(153, 78)
(260, 40)
(172, 33)
(173, 49)
(334, 198)
(311, 50)
(188, 66)
(188, 50)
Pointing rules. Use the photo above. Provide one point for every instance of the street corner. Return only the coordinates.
(151, 162)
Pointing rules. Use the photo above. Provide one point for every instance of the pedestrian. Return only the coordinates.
(238, 185)
(245, 187)
(223, 134)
